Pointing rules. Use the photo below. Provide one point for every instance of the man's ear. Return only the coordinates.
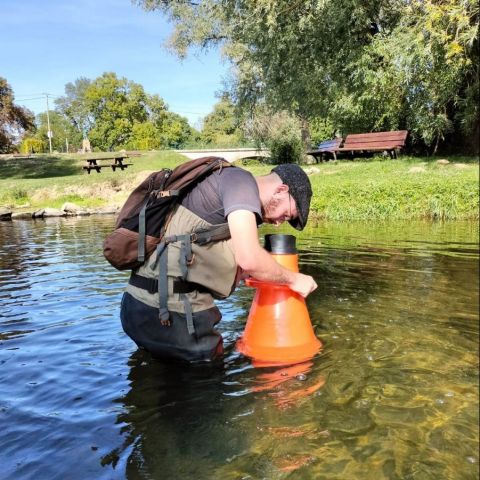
(281, 189)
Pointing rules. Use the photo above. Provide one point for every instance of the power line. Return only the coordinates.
(28, 99)
(35, 94)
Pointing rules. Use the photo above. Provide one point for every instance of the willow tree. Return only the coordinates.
(363, 65)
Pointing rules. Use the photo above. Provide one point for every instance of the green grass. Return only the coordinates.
(49, 181)
(408, 188)
(403, 189)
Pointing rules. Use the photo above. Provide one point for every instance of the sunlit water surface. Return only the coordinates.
(392, 395)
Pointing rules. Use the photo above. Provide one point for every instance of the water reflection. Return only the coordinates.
(182, 421)
(392, 395)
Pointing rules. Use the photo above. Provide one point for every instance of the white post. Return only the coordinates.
(49, 133)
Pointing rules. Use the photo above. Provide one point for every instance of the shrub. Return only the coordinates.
(280, 133)
(32, 145)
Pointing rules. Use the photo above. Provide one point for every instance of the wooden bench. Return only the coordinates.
(92, 163)
(327, 146)
(390, 142)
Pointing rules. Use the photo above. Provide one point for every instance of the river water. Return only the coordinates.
(393, 393)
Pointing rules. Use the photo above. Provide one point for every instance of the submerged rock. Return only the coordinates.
(5, 214)
(68, 209)
(22, 215)
(48, 212)
(53, 212)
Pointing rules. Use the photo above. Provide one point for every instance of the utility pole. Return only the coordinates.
(49, 133)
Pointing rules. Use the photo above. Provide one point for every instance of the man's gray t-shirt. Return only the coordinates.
(223, 192)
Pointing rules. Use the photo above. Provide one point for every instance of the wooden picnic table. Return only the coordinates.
(118, 162)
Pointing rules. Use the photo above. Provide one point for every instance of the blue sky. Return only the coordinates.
(48, 43)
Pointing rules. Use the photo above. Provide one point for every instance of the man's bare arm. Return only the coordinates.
(256, 261)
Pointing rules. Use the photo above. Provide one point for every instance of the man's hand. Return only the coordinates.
(255, 261)
(303, 284)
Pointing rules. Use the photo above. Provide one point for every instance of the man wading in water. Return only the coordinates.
(195, 274)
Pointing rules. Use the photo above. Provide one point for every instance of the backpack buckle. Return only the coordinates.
(163, 193)
(191, 260)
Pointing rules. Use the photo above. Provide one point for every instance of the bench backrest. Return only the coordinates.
(329, 145)
(391, 139)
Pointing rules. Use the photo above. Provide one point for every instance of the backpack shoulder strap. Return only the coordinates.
(191, 172)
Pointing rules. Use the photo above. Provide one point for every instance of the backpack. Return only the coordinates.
(143, 219)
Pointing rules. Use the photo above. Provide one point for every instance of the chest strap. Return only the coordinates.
(151, 285)
(203, 236)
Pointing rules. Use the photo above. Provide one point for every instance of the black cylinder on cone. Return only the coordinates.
(280, 243)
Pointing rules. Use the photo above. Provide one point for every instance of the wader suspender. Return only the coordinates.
(202, 237)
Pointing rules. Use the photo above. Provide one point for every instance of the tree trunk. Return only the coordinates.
(305, 132)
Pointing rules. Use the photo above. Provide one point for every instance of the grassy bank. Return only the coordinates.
(408, 188)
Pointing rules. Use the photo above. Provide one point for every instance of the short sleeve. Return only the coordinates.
(239, 191)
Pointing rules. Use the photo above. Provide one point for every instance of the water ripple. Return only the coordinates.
(392, 394)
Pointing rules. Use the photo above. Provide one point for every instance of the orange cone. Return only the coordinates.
(278, 330)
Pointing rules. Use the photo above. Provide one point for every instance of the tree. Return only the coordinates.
(361, 65)
(74, 105)
(62, 131)
(115, 105)
(117, 113)
(417, 76)
(222, 126)
(175, 131)
(279, 132)
(14, 120)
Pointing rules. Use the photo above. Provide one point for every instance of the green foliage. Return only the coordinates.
(14, 120)
(115, 113)
(221, 127)
(116, 104)
(144, 137)
(62, 131)
(32, 145)
(321, 129)
(13, 197)
(359, 65)
(175, 131)
(280, 133)
(73, 105)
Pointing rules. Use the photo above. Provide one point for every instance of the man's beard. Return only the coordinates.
(270, 207)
